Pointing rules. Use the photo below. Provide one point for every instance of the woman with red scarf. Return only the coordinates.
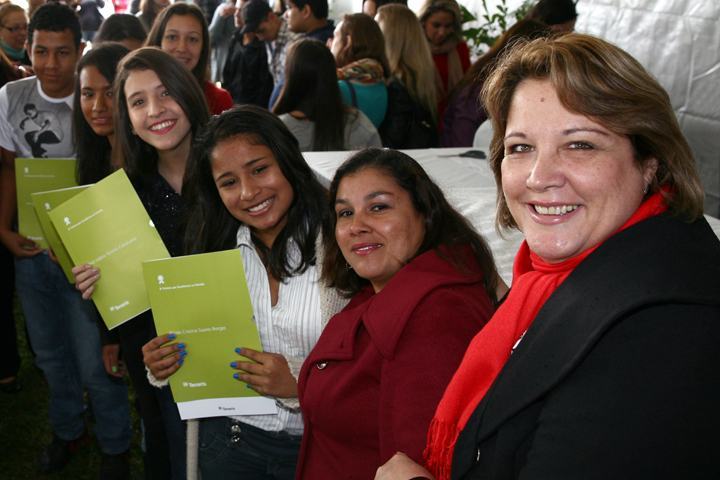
(441, 21)
(602, 360)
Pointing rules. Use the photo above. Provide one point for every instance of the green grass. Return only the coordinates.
(24, 428)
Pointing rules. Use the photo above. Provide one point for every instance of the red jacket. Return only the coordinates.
(370, 386)
(218, 99)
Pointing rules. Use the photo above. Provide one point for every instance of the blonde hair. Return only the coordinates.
(408, 53)
(599, 80)
(449, 6)
(8, 8)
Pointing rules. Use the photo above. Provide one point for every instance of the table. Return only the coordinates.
(468, 184)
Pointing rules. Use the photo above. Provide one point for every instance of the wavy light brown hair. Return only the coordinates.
(603, 82)
(408, 53)
(450, 6)
(366, 41)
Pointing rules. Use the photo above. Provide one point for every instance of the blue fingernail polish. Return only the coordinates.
(183, 354)
(180, 346)
(236, 376)
(180, 362)
(238, 350)
(233, 364)
(171, 336)
(247, 385)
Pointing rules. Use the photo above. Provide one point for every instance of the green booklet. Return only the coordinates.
(108, 227)
(39, 175)
(204, 300)
(43, 203)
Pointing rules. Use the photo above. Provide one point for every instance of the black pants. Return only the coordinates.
(9, 357)
(164, 431)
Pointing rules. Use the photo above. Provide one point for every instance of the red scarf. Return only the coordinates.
(534, 280)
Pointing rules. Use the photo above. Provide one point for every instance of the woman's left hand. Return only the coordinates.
(268, 373)
(401, 467)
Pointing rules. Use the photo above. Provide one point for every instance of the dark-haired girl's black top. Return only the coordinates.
(166, 208)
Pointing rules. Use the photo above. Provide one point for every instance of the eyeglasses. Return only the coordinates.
(16, 28)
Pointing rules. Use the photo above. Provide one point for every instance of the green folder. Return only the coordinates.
(39, 175)
(108, 227)
(204, 300)
(43, 203)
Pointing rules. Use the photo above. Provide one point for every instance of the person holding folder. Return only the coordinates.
(251, 189)
(36, 119)
(155, 98)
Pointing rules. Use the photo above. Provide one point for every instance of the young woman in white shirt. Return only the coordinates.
(251, 189)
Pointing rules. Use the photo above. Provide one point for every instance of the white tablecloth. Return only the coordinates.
(468, 184)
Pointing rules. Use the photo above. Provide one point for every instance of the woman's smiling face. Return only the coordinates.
(183, 39)
(155, 116)
(569, 182)
(377, 226)
(96, 101)
(252, 186)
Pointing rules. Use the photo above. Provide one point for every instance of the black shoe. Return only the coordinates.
(56, 455)
(115, 467)
(13, 386)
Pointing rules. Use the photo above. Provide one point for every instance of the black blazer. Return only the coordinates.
(619, 374)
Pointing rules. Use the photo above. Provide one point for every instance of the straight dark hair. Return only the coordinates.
(141, 158)
(444, 226)
(93, 150)
(154, 39)
(118, 27)
(311, 87)
(319, 7)
(210, 225)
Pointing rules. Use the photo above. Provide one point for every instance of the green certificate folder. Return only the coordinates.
(43, 203)
(108, 227)
(204, 300)
(39, 175)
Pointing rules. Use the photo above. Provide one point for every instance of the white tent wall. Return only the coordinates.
(678, 41)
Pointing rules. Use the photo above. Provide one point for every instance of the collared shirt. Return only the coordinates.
(291, 327)
(277, 51)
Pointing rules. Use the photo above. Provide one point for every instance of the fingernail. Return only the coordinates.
(183, 354)
(236, 376)
(171, 336)
(114, 369)
(180, 346)
(238, 350)
(247, 385)
(180, 362)
(233, 364)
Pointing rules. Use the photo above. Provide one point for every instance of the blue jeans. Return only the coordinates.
(65, 337)
(238, 450)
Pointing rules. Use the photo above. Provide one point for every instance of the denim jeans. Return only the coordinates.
(237, 450)
(64, 334)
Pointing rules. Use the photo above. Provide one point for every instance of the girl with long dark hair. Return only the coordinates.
(310, 104)
(252, 190)
(155, 98)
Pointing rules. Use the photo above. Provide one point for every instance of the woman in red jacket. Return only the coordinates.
(422, 282)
